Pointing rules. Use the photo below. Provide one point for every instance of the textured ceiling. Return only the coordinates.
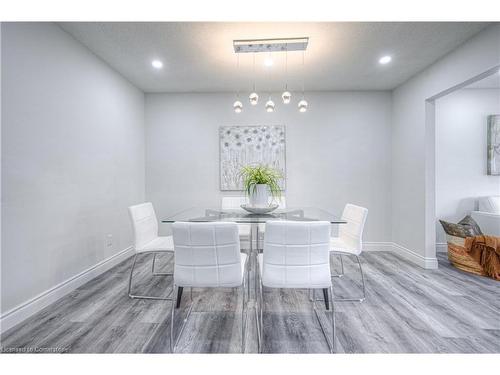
(199, 57)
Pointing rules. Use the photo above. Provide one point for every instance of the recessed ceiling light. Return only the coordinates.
(157, 64)
(268, 61)
(385, 60)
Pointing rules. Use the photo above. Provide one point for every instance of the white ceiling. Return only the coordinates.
(199, 57)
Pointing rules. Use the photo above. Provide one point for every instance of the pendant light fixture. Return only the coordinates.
(303, 103)
(253, 97)
(270, 46)
(270, 105)
(237, 105)
(286, 96)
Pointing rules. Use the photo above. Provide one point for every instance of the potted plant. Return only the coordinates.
(259, 181)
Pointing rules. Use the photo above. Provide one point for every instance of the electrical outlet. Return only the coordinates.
(109, 240)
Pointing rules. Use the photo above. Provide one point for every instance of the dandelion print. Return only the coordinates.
(246, 145)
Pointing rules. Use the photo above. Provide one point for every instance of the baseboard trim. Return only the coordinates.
(378, 246)
(23, 311)
(441, 247)
(424, 262)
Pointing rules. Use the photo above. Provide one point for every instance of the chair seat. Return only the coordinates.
(201, 284)
(326, 283)
(339, 246)
(159, 244)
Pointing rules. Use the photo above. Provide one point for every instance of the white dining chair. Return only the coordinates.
(147, 241)
(350, 241)
(296, 256)
(207, 255)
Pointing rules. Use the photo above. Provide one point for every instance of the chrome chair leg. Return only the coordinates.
(341, 268)
(362, 277)
(333, 320)
(331, 343)
(158, 273)
(244, 315)
(259, 301)
(244, 307)
(174, 341)
(130, 277)
(135, 296)
(360, 299)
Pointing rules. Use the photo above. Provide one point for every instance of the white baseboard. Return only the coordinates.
(441, 247)
(419, 260)
(424, 262)
(378, 246)
(23, 311)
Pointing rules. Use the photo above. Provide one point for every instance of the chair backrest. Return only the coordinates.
(234, 202)
(352, 232)
(144, 222)
(296, 254)
(207, 254)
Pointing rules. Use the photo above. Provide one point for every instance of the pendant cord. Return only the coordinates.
(286, 68)
(253, 72)
(237, 71)
(303, 72)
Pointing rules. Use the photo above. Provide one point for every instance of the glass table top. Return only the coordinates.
(197, 214)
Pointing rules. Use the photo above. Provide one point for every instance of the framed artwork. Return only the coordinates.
(494, 145)
(247, 145)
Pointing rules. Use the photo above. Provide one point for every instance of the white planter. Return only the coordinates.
(260, 196)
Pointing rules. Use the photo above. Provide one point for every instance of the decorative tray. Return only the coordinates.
(259, 210)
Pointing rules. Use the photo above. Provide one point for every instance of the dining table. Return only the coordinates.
(255, 220)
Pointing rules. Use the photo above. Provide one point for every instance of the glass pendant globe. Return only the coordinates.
(302, 105)
(238, 106)
(254, 98)
(270, 106)
(286, 96)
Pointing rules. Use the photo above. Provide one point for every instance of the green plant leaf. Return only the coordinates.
(259, 174)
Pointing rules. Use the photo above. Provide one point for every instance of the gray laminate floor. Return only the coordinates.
(407, 310)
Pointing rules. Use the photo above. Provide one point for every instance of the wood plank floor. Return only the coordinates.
(407, 310)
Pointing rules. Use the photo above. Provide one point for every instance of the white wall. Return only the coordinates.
(337, 152)
(413, 205)
(72, 159)
(461, 129)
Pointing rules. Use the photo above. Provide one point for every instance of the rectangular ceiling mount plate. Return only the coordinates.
(270, 45)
